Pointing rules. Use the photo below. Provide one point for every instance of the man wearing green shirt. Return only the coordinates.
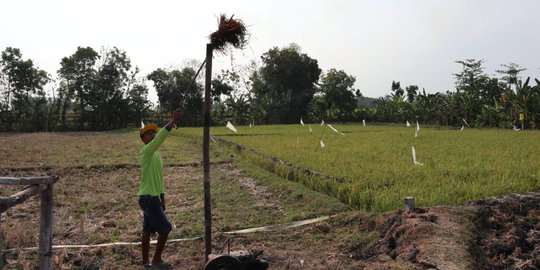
(152, 192)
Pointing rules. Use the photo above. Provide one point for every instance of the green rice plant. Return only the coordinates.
(372, 166)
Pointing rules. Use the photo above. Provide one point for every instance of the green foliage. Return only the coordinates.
(171, 89)
(101, 91)
(107, 102)
(100, 95)
(78, 74)
(480, 100)
(337, 90)
(22, 92)
(138, 103)
(220, 88)
(285, 84)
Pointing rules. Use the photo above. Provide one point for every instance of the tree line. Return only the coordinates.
(103, 91)
(478, 100)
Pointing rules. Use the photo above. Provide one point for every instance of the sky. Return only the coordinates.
(415, 42)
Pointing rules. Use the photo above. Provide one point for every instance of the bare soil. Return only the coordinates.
(496, 233)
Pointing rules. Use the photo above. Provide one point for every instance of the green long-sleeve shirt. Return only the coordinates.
(152, 166)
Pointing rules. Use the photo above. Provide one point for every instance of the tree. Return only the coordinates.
(5, 91)
(220, 88)
(526, 101)
(471, 74)
(171, 86)
(138, 103)
(239, 78)
(469, 85)
(23, 94)
(285, 84)
(412, 92)
(510, 75)
(79, 75)
(396, 89)
(238, 109)
(338, 94)
(107, 99)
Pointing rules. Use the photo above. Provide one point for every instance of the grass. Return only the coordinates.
(376, 161)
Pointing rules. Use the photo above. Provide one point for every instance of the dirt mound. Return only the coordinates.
(497, 233)
(508, 232)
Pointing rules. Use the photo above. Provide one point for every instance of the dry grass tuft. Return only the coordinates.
(16, 237)
(230, 31)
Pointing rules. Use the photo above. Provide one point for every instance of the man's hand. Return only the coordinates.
(175, 118)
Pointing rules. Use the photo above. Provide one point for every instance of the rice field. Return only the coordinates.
(373, 167)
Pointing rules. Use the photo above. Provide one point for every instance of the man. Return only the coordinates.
(152, 192)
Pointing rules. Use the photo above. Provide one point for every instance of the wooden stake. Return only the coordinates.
(2, 256)
(409, 203)
(45, 228)
(206, 153)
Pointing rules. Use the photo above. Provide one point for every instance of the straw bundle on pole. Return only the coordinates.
(230, 32)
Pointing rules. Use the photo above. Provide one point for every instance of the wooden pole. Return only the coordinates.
(409, 203)
(2, 257)
(45, 228)
(206, 154)
(19, 197)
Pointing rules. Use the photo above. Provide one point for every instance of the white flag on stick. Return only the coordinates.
(310, 130)
(462, 128)
(322, 144)
(364, 122)
(417, 129)
(465, 122)
(142, 124)
(335, 130)
(322, 122)
(408, 124)
(301, 122)
(250, 125)
(231, 127)
(414, 157)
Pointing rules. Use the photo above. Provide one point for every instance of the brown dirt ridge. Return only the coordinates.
(494, 233)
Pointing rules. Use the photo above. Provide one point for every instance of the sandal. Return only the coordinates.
(162, 265)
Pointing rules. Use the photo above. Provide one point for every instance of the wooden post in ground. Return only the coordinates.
(206, 153)
(2, 258)
(45, 228)
(409, 203)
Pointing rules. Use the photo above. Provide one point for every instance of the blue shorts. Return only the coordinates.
(155, 219)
